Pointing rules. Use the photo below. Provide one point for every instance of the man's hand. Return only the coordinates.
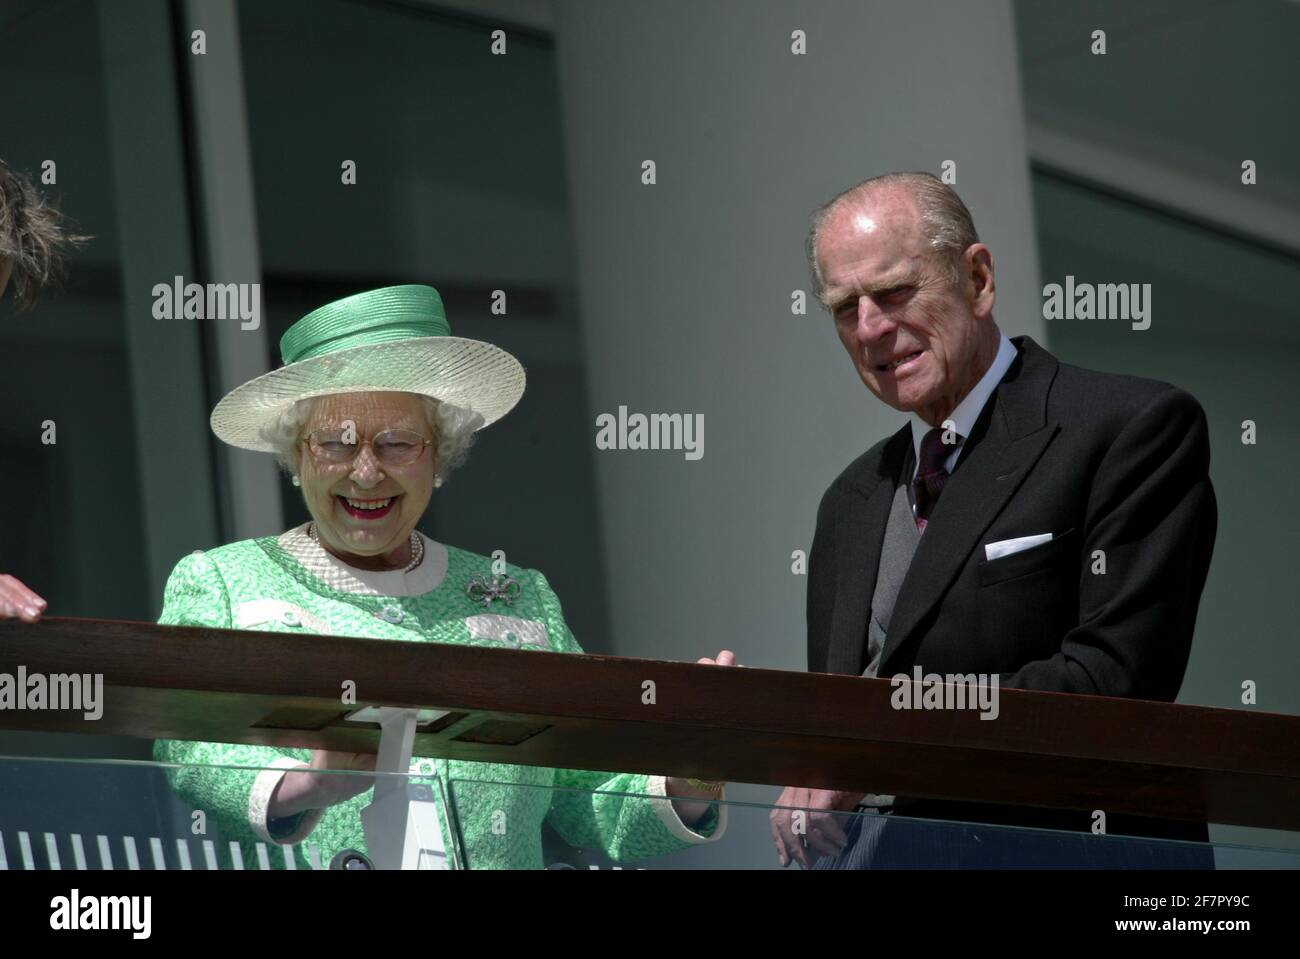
(19, 602)
(814, 815)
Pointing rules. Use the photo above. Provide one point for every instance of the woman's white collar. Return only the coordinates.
(338, 575)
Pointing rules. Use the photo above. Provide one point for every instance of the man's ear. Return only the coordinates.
(977, 270)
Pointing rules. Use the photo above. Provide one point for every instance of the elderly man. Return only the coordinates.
(1037, 522)
(33, 240)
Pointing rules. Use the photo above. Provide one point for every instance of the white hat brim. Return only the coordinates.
(470, 374)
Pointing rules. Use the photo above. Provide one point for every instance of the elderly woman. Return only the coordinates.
(375, 404)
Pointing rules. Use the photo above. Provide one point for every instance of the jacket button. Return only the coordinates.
(392, 614)
(290, 618)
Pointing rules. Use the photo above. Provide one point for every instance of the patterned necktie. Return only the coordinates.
(931, 475)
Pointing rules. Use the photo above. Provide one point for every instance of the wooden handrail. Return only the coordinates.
(1162, 760)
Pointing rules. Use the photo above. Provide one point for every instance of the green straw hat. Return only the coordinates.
(394, 339)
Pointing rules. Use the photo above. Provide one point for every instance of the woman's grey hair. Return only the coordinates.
(453, 426)
(949, 227)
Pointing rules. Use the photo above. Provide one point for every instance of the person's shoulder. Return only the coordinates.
(497, 563)
(466, 566)
(1111, 401)
(239, 552)
(225, 559)
(868, 469)
(1109, 389)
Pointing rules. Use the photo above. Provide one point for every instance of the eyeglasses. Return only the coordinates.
(391, 447)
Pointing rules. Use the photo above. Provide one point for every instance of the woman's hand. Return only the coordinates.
(300, 789)
(19, 602)
(691, 802)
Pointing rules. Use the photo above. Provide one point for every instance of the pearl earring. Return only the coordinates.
(295, 481)
(437, 481)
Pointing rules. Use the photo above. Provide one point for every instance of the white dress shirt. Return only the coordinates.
(968, 410)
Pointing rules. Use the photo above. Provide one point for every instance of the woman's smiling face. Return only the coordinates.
(365, 510)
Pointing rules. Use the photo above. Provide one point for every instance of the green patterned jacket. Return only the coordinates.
(289, 583)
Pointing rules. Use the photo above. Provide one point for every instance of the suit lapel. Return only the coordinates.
(860, 530)
(1007, 441)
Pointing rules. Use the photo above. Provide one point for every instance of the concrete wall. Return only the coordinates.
(685, 286)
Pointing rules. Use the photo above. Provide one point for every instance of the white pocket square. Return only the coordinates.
(1005, 547)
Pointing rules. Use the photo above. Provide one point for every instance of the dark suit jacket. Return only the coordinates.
(1101, 461)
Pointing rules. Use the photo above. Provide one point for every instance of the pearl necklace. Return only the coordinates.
(417, 547)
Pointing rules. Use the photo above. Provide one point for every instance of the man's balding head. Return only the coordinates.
(899, 266)
(948, 226)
